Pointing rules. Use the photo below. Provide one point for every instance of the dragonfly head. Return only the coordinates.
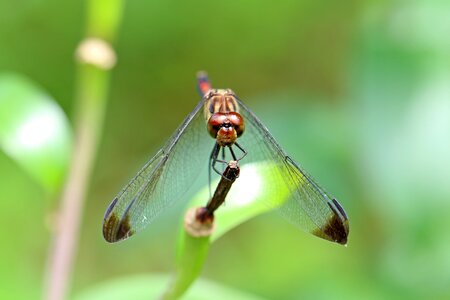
(226, 127)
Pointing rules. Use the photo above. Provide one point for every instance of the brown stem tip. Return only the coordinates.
(198, 222)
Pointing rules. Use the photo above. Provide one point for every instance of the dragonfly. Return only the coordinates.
(221, 126)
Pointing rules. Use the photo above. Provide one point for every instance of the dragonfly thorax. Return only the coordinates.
(219, 100)
(226, 127)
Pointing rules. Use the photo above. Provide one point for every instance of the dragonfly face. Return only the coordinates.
(224, 123)
(170, 173)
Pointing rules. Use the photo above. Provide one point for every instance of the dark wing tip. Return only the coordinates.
(114, 229)
(110, 208)
(337, 228)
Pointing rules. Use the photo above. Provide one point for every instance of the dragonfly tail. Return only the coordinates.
(203, 83)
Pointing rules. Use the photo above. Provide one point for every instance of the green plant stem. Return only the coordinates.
(192, 252)
(91, 97)
(93, 86)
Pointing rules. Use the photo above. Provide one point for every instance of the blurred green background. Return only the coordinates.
(358, 92)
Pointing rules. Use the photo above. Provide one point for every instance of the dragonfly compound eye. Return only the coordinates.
(215, 122)
(238, 122)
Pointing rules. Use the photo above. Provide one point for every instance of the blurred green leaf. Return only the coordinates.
(402, 109)
(34, 131)
(151, 286)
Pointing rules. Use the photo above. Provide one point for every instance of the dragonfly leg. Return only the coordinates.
(232, 154)
(223, 158)
(210, 165)
(214, 160)
(243, 151)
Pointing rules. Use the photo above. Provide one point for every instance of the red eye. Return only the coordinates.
(215, 122)
(238, 122)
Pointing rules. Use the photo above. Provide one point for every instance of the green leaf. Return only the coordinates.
(151, 286)
(34, 131)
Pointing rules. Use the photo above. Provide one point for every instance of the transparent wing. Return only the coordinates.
(309, 207)
(163, 180)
